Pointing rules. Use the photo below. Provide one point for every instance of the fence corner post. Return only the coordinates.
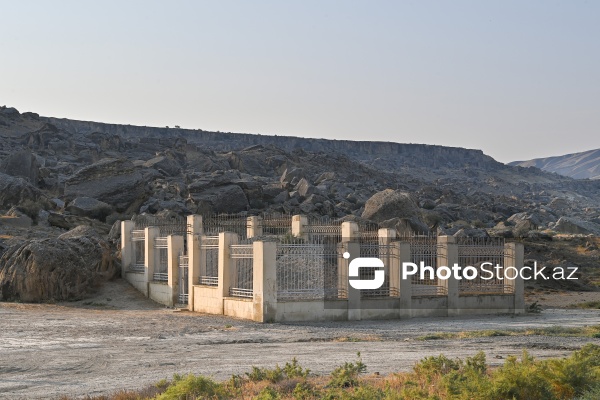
(405, 283)
(254, 227)
(299, 223)
(225, 265)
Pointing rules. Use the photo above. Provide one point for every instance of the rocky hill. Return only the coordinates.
(57, 174)
(584, 165)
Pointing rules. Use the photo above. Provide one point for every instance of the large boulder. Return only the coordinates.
(71, 221)
(89, 207)
(576, 226)
(16, 191)
(222, 199)
(23, 164)
(389, 204)
(165, 164)
(113, 181)
(69, 267)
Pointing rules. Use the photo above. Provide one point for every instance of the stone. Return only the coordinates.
(165, 164)
(304, 188)
(15, 191)
(222, 199)
(282, 197)
(89, 207)
(389, 204)
(113, 181)
(72, 221)
(291, 176)
(22, 164)
(576, 226)
(69, 267)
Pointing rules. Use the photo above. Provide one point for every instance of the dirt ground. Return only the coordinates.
(120, 340)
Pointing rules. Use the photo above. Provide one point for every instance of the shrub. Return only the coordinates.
(347, 375)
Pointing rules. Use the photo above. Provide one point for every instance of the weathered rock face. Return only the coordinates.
(390, 204)
(16, 191)
(89, 207)
(69, 267)
(114, 181)
(222, 199)
(165, 164)
(576, 226)
(23, 164)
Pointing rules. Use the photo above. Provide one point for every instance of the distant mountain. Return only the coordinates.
(577, 165)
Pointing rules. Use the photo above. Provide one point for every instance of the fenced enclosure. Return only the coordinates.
(161, 268)
(300, 263)
(475, 252)
(307, 270)
(242, 280)
(209, 273)
(138, 238)
(184, 262)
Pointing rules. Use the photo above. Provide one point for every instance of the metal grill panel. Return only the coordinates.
(209, 275)
(138, 238)
(183, 279)
(242, 282)
(424, 248)
(385, 253)
(276, 224)
(161, 270)
(217, 223)
(475, 252)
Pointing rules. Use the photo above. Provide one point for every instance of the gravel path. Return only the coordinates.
(122, 340)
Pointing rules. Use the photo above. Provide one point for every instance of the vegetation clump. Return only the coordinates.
(576, 377)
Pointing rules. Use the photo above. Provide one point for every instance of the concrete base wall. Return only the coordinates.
(138, 281)
(161, 293)
(238, 307)
(488, 304)
(207, 299)
(429, 306)
(316, 310)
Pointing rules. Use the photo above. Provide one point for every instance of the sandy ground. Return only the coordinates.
(120, 340)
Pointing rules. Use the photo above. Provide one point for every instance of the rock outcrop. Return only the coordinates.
(390, 204)
(69, 267)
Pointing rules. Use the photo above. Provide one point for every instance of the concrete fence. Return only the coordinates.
(293, 269)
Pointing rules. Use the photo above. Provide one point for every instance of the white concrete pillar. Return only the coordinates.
(448, 256)
(404, 283)
(350, 231)
(264, 281)
(386, 235)
(175, 249)
(225, 265)
(354, 300)
(514, 254)
(254, 227)
(127, 250)
(194, 223)
(152, 232)
(299, 222)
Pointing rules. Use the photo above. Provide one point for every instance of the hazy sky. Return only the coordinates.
(517, 79)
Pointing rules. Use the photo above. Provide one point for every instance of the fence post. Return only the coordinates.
(126, 246)
(514, 257)
(225, 265)
(354, 300)
(299, 223)
(350, 232)
(405, 283)
(194, 223)
(254, 227)
(152, 232)
(264, 281)
(448, 256)
(175, 249)
(386, 235)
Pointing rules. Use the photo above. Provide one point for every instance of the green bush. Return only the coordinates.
(191, 386)
(347, 375)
